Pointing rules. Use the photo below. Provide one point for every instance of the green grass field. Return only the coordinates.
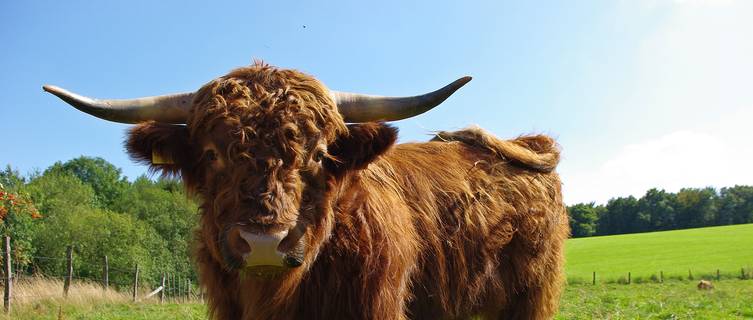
(703, 251)
(48, 310)
(730, 299)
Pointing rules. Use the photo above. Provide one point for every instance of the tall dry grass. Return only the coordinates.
(35, 296)
(33, 289)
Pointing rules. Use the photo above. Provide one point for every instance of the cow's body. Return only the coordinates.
(309, 210)
(443, 229)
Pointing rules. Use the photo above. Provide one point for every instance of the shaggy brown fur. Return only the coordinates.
(464, 225)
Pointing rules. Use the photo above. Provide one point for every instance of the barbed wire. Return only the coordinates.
(48, 258)
(175, 287)
(70, 294)
(76, 261)
(120, 270)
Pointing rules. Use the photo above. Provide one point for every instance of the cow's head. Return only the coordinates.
(262, 148)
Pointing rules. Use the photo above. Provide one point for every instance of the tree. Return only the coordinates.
(735, 205)
(17, 215)
(583, 218)
(657, 208)
(10, 179)
(164, 206)
(696, 207)
(104, 178)
(59, 192)
(94, 233)
(620, 216)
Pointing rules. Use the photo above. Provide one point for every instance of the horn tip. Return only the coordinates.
(53, 89)
(459, 83)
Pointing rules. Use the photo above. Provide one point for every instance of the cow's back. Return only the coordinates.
(489, 218)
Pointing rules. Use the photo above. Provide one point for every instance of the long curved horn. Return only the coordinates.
(167, 109)
(355, 107)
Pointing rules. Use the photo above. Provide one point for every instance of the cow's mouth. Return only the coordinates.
(262, 254)
(264, 272)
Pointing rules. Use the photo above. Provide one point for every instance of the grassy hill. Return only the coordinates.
(702, 251)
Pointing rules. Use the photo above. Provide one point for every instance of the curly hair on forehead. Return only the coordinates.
(281, 109)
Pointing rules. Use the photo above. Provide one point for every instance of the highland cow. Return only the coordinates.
(309, 210)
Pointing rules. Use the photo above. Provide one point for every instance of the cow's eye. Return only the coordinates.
(210, 155)
(318, 156)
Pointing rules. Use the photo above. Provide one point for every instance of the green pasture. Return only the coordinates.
(48, 310)
(730, 299)
(701, 251)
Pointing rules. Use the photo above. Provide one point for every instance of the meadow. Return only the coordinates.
(731, 299)
(645, 255)
(42, 298)
(703, 251)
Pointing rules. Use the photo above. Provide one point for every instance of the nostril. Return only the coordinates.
(238, 246)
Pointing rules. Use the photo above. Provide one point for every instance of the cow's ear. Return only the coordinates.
(363, 143)
(163, 147)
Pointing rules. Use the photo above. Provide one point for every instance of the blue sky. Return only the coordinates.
(639, 93)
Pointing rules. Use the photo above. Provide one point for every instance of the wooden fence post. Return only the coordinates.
(106, 274)
(135, 282)
(169, 285)
(162, 294)
(661, 276)
(717, 275)
(594, 278)
(629, 279)
(69, 275)
(172, 286)
(690, 275)
(188, 290)
(8, 276)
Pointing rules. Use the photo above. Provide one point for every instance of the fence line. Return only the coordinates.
(745, 273)
(170, 288)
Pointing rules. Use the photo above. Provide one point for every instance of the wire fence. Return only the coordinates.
(36, 282)
(628, 277)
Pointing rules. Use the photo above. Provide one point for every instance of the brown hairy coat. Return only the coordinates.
(464, 225)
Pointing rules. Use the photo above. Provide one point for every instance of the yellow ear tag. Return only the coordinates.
(159, 159)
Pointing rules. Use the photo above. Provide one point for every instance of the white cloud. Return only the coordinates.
(692, 107)
(673, 161)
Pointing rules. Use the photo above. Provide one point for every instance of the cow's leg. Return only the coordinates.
(533, 303)
(533, 281)
(344, 288)
(391, 299)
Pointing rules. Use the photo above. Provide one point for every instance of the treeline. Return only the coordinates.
(659, 210)
(87, 203)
